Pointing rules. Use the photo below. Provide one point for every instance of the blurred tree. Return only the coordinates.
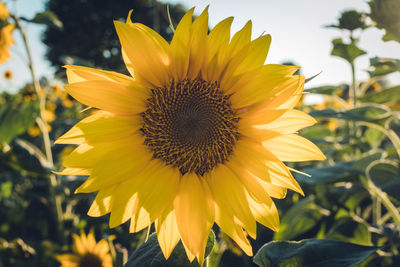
(88, 36)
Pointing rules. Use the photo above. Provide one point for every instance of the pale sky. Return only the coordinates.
(296, 27)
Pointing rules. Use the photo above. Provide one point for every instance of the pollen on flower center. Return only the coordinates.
(191, 125)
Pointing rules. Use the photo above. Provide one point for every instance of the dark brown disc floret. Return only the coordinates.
(191, 125)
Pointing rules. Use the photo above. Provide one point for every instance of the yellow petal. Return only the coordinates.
(290, 122)
(79, 244)
(240, 40)
(110, 96)
(198, 44)
(102, 127)
(273, 190)
(260, 85)
(153, 189)
(179, 49)
(227, 223)
(139, 221)
(287, 93)
(252, 156)
(167, 232)
(281, 176)
(265, 214)
(82, 74)
(101, 249)
(102, 203)
(194, 211)
(261, 116)
(294, 148)
(229, 194)
(123, 204)
(145, 53)
(157, 191)
(68, 260)
(74, 171)
(218, 41)
(250, 182)
(256, 55)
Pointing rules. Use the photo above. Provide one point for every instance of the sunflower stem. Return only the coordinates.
(377, 193)
(57, 208)
(354, 95)
(215, 256)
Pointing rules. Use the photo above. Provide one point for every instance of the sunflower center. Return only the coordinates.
(90, 260)
(191, 125)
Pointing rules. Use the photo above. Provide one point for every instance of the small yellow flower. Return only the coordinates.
(195, 136)
(4, 13)
(8, 75)
(6, 39)
(86, 252)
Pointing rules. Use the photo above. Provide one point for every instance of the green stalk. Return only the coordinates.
(354, 95)
(45, 134)
(372, 188)
(383, 197)
(393, 137)
(353, 84)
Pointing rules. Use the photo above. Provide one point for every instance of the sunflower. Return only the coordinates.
(4, 13)
(6, 39)
(87, 253)
(8, 74)
(195, 136)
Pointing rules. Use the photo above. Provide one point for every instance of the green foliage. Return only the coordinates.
(300, 218)
(386, 14)
(149, 254)
(324, 90)
(351, 20)
(16, 116)
(371, 112)
(47, 18)
(391, 94)
(312, 252)
(383, 66)
(338, 171)
(348, 52)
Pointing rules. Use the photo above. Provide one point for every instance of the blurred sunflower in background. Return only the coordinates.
(87, 252)
(6, 38)
(195, 136)
(8, 74)
(4, 13)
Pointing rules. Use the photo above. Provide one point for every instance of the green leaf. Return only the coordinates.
(338, 171)
(316, 132)
(5, 189)
(324, 90)
(388, 95)
(374, 137)
(300, 218)
(312, 77)
(327, 174)
(312, 252)
(348, 52)
(383, 66)
(15, 117)
(48, 18)
(386, 175)
(149, 254)
(365, 113)
(346, 229)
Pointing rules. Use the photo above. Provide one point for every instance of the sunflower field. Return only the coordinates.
(161, 141)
